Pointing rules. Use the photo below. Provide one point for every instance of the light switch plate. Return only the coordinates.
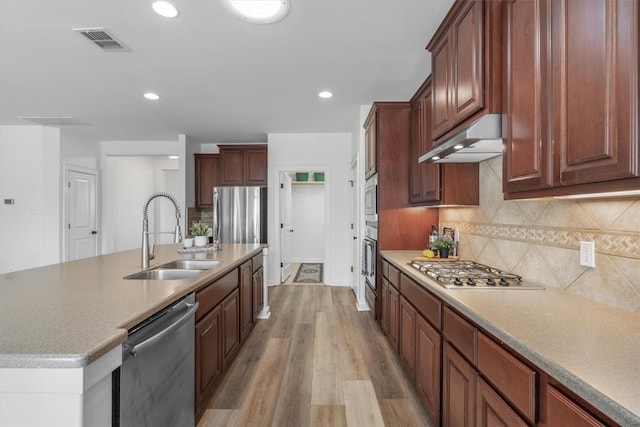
(587, 254)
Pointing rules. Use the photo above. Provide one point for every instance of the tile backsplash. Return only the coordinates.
(540, 239)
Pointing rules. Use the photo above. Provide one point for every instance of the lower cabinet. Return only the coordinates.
(394, 313)
(428, 367)
(458, 389)
(246, 289)
(407, 347)
(230, 328)
(258, 292)
(491, 410)
(208, 355)
(562, 411)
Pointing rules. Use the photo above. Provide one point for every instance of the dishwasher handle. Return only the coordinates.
(132, 349)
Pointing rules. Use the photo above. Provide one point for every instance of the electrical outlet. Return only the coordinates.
(587, 254)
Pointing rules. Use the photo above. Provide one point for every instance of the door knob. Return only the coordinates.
(94, 232)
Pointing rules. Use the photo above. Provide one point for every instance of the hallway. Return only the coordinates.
(316, 362)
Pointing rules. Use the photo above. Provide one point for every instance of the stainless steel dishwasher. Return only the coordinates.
(157, 373)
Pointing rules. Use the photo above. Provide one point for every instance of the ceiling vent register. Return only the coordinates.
(101, 38)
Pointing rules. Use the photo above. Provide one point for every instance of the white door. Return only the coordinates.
(285, 226)
(81, 229)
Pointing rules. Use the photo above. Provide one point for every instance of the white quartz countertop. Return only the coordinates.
(69, 314)
(590, 347)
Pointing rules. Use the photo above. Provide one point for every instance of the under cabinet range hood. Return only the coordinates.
(480, 141)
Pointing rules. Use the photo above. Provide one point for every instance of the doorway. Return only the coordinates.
(80, 213)
(303, 221)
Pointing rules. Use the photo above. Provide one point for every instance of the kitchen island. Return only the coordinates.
(589, 348)
(72, 318)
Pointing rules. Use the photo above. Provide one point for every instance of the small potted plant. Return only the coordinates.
(444, 245)
(199, 230)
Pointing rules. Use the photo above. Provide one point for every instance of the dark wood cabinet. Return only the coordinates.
(246, 298)
(394, 316)
(428, 367)
(230, 329)
(492, 410)
(407, 344)
(258, 292)
(243, 165)
(466, 65)
(208, 359)
(458, 389)
(370, 148)
(437, 184)
(571, 98)
(206, 174)
(383, 292)
(563, 411)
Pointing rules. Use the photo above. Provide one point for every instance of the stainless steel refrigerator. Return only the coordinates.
(240, 214)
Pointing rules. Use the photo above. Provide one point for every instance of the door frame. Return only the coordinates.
(66, 168)
(327, 213)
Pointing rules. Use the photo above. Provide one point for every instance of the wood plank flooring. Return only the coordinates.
(316, 362)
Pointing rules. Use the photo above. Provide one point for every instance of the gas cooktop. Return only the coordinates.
(470, 275)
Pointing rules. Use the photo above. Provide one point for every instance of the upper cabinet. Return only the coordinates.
(466, 66)
(370, 148)
(243, 165)
(431, 183)
(571, 97)
(206, 171)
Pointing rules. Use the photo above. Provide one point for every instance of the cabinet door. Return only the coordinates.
(428, 367)
(231, 166)
(595, 89)
(441, 78)
(246, 299)
(394, 319)
(370, 148)
(230, 328)
(206, 171)
(458, 389)
(384, 306)
(408, 337)
(258, 292)
(425, 177)
(492, 411)
(527, 156)
(561, 411)
(208, 358)
(467, 64)
(255, 166)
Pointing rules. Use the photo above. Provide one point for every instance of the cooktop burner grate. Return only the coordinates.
(470, 275)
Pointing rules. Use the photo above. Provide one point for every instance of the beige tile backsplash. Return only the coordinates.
(539, 240)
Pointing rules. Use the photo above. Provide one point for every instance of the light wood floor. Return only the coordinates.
(316, 361)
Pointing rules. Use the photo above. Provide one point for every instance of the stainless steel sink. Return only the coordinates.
(176, 270)
(164, 274)
(192, 264)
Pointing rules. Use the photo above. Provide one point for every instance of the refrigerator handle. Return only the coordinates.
(216, 219)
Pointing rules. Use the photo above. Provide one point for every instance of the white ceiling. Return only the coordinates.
(220, 79)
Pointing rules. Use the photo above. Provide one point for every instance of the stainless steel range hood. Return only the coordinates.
(480, 141)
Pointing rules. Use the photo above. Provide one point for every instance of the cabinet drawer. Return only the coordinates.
(214, 293)
(385, 268)
(462, 334)
(426, 304)
(257, 262)
(394, 276)
(512, 378)
(562, 411)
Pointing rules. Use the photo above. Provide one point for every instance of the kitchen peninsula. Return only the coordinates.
(62, 327)
(530, 354)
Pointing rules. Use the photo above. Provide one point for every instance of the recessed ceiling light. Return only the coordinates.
(435, 158)
(458, 146)
(151, 96)
(325, 94)
(164, 8)
(258, 11)
(174, 157)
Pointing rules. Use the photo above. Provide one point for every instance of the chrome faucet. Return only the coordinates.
(146, 253)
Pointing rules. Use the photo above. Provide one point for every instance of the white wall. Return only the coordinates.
(79, 151)
(134, 186)
(308, 223)
(30, 174)
(329, 152)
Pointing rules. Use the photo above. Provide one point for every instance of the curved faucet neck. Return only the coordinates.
(146, 253)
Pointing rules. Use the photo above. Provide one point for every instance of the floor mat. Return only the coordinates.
(309, 273)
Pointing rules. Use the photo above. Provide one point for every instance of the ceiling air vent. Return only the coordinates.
(101, 38)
